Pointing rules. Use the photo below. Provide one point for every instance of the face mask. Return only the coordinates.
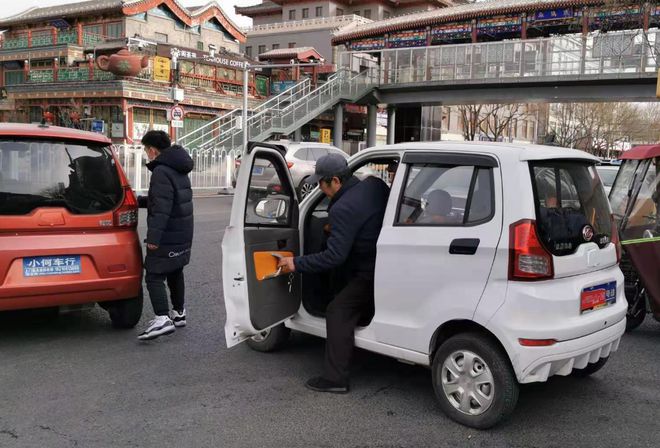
(145, 156)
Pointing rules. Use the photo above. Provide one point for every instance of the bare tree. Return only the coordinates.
(565, 126)
(499, 118)
(471, 120)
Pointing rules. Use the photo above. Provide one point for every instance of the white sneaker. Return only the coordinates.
(179, 319)
(158, 326)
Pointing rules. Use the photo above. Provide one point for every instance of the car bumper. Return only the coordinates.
(537, 364)
(111, 269)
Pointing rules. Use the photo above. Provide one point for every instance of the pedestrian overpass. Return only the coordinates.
(569, 68)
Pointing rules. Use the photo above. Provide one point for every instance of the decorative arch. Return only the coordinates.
(197, 17)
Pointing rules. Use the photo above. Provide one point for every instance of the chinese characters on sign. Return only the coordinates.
(162, 68)
(38, 266)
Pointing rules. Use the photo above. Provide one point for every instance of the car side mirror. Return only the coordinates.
(272, 208)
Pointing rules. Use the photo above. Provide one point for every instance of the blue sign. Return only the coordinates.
(97, 126)
(60, 265)
(280, 86)
(553, 14)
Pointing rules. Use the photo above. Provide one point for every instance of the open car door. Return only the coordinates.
(262, 228)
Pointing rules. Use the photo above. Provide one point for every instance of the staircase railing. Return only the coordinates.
(211, 133)
(283, 113)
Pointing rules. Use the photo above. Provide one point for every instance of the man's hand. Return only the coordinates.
(287, 264)
(151, 246)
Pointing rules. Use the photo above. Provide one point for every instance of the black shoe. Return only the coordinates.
(320, 384)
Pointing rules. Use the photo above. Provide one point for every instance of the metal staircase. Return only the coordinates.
(282, 114)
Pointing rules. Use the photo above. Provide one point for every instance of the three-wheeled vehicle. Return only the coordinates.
(635, 200)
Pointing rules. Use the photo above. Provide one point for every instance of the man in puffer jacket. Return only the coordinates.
(170, 225)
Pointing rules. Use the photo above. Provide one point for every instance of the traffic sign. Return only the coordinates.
(176, 113)
(177, 123)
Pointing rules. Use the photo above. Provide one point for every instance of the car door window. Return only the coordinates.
(269, 201)
(317, 153)
(303, 154)
(446, 195)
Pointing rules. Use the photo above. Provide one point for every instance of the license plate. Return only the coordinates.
(597, 297)
(258, 170)
(58, 265)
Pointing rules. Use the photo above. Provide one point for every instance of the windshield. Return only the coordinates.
(79, 177)
(636, 201)
(569, 196)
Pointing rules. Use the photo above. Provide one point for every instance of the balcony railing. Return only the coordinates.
(322, 21)
(49, 38)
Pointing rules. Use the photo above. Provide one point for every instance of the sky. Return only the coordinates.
(10, 8)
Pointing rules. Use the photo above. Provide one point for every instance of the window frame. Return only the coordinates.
(319, 11)
(305, 13)
(476, 161)
(282, 175)
(292, 14)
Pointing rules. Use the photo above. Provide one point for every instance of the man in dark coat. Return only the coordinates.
(169, 231)
(355, 215)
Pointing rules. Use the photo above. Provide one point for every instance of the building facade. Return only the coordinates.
(280, 24)
(66, 63)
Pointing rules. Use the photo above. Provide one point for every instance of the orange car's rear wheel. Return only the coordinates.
(125, 313)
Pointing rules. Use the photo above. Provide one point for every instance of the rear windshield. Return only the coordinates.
(79, 177)
(569, 195)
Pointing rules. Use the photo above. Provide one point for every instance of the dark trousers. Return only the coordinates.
(354, 304)
(158, 293)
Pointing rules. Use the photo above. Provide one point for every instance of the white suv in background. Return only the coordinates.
(512, 277)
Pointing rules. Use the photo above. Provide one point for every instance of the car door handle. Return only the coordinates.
(464, 246)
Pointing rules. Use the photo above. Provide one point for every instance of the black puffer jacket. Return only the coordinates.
(356, 217)
(170, 221)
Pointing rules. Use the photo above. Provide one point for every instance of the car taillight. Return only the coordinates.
(615, 239)
(528, 259)
(127, 213)
(289, 164)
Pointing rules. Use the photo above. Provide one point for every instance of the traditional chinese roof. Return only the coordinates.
(190, 16)
(455, 13)
(299, 53)
(261, 8)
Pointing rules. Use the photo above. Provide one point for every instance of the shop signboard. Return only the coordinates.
(222, 60)
(552, 14)
(162, 69)
(326, 135)
(98, 126)
(262, 85)
(280, 86)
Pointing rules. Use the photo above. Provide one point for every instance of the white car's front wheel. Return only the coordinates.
(473, 381)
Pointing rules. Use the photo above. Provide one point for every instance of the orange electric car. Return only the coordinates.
(68, 223)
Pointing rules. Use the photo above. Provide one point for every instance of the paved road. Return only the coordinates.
(75, 382)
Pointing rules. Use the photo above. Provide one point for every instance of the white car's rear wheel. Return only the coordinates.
(270, 340)
(473, 380)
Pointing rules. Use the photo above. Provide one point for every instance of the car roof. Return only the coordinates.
(53, 132)
(641, 152)
(524, 152)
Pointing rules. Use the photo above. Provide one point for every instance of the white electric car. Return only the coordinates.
(514, 281)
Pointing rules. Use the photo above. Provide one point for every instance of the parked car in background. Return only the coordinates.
(68, 223)
(301, 159)
(607, 172)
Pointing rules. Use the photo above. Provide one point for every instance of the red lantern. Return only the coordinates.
(49, 117)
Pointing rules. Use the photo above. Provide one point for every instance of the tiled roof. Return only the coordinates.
(454, 13)
(67, 10)
(287, 53)
(265, 6)
(100, 6)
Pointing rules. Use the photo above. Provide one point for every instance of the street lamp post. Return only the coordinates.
(246, 80)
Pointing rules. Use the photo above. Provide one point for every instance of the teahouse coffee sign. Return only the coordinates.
(168, 51)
